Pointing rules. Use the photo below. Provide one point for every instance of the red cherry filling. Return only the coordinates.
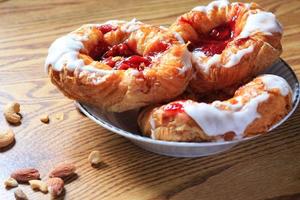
(222, 32)
(127, 58)
(109, 61)
(106, 28)
(183, 20)
(121, 56)
(241, 41)
(216, 40)
(99, 50)
(159, 47)
(211, 48)
(174, 108)
(135, 61)
(119, 50)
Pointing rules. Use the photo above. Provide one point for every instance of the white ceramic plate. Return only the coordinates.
(125, 124)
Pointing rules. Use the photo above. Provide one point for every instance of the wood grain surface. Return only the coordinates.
(265, 168)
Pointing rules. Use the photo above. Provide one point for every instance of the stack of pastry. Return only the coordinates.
(213, 52)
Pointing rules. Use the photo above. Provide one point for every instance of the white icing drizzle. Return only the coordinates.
(187, 63)
(264, 22)
(114, 22)
(178, 37)
(91, 68)
(134, 72)
(152, 125)
(261, 21)
(246, 5)
(236, 58)
(64, 51)
(214, 121)
(204, 62)
(163, 28)
(92, 77)
(131, 26)
(97, 80)
(219, 4)
(96, 75)
(276, 82)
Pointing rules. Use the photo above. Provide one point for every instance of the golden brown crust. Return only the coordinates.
(119, 90)
(162, 125)
(266, 48)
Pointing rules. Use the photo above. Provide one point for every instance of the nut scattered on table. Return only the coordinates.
(39, 185)
(62, 170)
(11, 113)
(25, 175)
(6, 138)
(94, 157)
(10, 183)
(20, 195)
(45, 118)
(55, 186)
(59, 116)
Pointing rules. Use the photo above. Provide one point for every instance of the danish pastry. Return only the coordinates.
(119, 65)
(229, 42)
(254, 108)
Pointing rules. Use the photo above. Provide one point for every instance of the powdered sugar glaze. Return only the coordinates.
(262, 22)
(215, 4)
(214, 121)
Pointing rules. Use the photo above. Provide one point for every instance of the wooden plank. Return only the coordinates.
(265, 168)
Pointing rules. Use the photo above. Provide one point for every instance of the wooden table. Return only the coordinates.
(265, 168)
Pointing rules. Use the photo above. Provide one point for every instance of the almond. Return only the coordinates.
(10, 183)
(25, 175)
(55, 186)
(39, 185)
(20, 195)
(62, 170)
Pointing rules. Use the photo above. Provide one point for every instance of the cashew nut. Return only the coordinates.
(11, 111)
(95, 157)
(6, 138)
(39, 185)
(10, 183)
